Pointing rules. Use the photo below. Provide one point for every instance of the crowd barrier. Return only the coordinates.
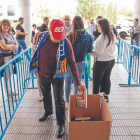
(14, 81)
(128, 55)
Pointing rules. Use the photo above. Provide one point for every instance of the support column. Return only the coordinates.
(136, 13)
(24, 10)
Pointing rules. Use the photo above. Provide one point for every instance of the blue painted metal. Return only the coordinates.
(129, 61)
(22, 71)
(86, 74)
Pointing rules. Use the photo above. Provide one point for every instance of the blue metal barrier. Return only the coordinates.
(86, 76)
(129, 61)
(15, 87)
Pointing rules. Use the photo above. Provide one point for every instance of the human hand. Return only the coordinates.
(82, 88)
(26, 33)
(36, 73)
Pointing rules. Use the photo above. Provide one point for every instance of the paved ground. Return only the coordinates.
(124, 106)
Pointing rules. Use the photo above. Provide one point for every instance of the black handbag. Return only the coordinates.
(2, 62)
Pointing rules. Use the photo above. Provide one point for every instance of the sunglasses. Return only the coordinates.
(6, 25)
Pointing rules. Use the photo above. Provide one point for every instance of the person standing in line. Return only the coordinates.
(34, 48)
(49, 61)
(92, 28)
(67, 20)
(96, 33)
(44, 26)
(33, 32)
(13, 31)
(113, 29)
(131, 34)
(135, 37)
(20, 37)
(104, 51)
(8, 45)
(82, 43)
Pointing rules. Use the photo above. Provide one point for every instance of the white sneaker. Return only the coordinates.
(40, 97)
(66, 105)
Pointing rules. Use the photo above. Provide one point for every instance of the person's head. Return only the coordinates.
(135, 21)
(46, 20)
(57, 30)
(111, 26)
(5, 26)
(104, 28)
(92, 21)
(38, 28)
(21, 20)
(77, 24)
(34, 26)
(98, 17)
(66, 20)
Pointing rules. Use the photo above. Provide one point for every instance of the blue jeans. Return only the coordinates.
(136, 43)
(68, 80)
(22, 45)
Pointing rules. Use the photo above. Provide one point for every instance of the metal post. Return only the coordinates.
(24, 10)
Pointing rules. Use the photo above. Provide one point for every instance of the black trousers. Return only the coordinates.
(58, 91)
(101, 76)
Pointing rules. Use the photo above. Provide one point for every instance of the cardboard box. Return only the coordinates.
(100, 125)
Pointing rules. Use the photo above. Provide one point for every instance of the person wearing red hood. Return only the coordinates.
(53, 56)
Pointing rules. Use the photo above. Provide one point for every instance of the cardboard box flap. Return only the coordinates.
(92, 101)
(105, 114)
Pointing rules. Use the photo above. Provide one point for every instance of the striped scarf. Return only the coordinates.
(61, 57)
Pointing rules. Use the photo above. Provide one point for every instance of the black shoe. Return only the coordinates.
(44, 117)
(61, 131)
(106, 98)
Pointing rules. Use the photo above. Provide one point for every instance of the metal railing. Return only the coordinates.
(128, 55)
(14, 81)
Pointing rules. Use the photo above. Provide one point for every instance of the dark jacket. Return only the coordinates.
(96, 34)
(82, 45)
(43, 28)
(115, 31)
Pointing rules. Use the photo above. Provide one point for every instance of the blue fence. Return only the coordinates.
(128, 55)
(14, 81)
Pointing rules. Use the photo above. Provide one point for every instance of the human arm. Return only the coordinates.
(20, 33)
(18, 30)
(5, 46)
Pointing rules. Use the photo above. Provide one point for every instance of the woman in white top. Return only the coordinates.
(104, 51)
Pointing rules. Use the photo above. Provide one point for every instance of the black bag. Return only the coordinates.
(2, 62)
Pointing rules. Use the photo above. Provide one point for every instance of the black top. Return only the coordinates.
(43, 28)
(33, 34)
(96, 34)
(13, 31)
(19, 37)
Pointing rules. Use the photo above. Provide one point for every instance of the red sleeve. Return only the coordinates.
(72, 63)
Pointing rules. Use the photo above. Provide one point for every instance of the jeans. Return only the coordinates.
(68, 80)
(58, 91)
(22, 45)
(101, 76)
(7, 78)
(38, 83)
(136, 43)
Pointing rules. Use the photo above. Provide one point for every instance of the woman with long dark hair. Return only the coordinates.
(104, 51)
(82, 43)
